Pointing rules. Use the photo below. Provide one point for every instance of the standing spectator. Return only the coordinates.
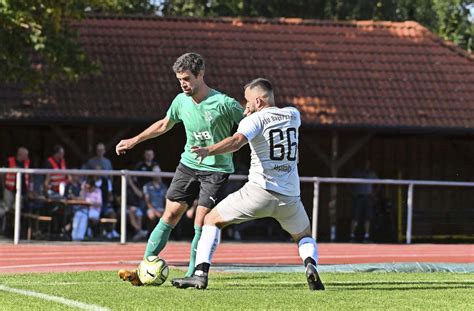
(154, 193)
(145, 166)
(99, 161)
(21, 160)
(52, 182)
(363, 202)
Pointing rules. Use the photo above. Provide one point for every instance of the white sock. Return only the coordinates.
(210, 238)
(307, 248)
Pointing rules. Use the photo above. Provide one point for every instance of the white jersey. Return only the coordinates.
(273, 137)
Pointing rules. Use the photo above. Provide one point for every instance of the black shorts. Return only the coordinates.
(189, 184)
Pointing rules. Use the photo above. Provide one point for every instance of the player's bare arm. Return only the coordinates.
(227, 145)
(156, 129)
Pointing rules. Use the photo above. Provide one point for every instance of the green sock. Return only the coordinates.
(192, 255)
(158, 239)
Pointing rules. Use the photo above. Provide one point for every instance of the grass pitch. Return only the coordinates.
(226, 291)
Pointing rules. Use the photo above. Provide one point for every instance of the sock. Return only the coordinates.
(192, 255)
(158, 239)
(202, 269)
(207, 244)
(308, 249)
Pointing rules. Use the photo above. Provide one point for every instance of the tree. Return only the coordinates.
(447, 18)
(39, 44)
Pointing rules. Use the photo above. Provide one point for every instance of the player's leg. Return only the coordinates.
(183, 190)
(212, 186)
(246, 204)
(292, 217)
(206, 246)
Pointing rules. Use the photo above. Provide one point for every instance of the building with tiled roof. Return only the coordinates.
(390, 92)
(339, 74)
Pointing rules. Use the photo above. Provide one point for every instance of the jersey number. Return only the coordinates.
(278, 150)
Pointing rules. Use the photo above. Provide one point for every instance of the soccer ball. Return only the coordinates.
(153, 271)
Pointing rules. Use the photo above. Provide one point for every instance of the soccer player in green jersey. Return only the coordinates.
(208, 117)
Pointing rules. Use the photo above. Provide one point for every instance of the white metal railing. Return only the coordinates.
(315, 180)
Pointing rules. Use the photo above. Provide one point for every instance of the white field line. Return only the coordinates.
(61, 300)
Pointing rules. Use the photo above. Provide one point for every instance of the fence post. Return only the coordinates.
(123, 207)
(16, 235)
(409, 213)
(314, 228)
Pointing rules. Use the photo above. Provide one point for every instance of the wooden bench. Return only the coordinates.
(34, 220)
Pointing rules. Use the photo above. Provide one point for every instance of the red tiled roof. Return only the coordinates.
(344, 74)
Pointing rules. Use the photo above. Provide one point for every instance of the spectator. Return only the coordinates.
(363, 202)
(145, 166)
(107, 211)
(99, 161)
(135, 205)
(21, 160)
(93, 195)
(80, 212)
(52, 182)
(154, 193)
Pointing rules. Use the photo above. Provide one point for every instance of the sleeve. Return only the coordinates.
(250, 127)
(145, 190)
(234, 110)
(173, 111)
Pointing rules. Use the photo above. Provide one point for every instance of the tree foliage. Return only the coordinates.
(38, 43)
(447, 18)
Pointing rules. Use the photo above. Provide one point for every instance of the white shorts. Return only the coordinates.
(253, 202)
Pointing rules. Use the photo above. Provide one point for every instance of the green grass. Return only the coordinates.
(288, 291)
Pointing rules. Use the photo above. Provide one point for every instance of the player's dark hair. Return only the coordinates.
(261, 83)
(189, 61)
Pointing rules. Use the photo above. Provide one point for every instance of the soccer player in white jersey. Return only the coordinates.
(273, 188)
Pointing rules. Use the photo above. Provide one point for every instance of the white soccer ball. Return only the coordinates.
(153, 271)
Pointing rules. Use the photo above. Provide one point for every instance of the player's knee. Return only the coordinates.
(305, 233)
(214, 219)
(173, 212)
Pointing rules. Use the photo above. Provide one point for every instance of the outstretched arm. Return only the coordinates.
(156, 129)
(227, 145)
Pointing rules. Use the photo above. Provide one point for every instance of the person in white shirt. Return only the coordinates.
(273, 187)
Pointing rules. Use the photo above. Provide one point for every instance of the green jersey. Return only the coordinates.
(206, 123)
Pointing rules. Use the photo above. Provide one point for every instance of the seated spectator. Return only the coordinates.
(107, 211)
(135, 206)
(80, 212)
(155, 195)
(93, 195)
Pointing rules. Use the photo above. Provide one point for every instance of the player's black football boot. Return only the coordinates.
(314, 281)
(198, 282)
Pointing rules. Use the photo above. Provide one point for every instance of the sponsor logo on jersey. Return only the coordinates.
(282, 168)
